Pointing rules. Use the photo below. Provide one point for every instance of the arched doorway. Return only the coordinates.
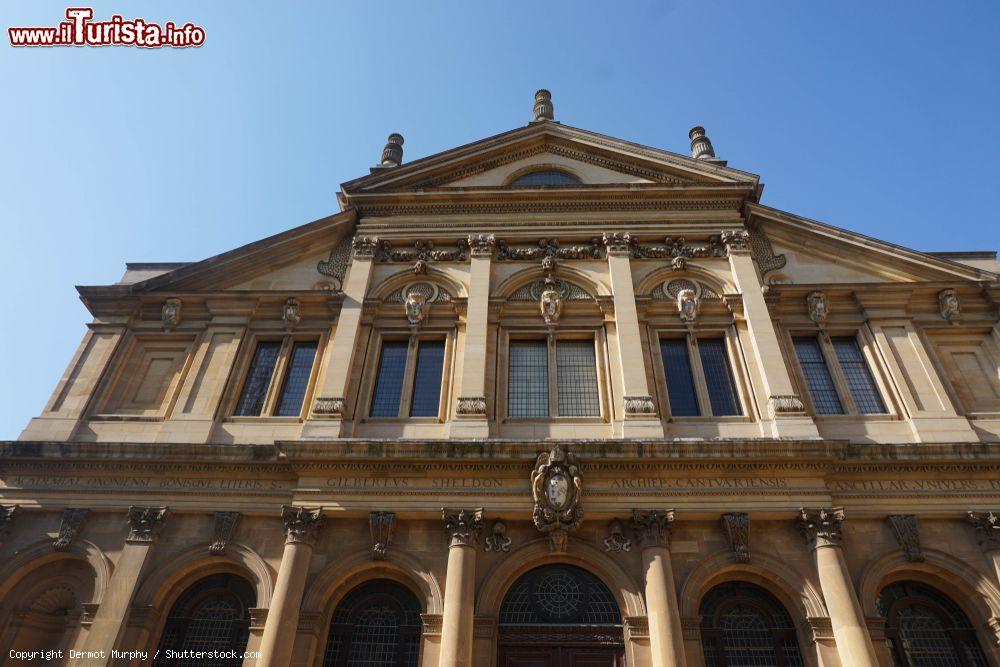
(213, 614)
(377, 624)
(742, 625)
(560, 616)
(926, 629)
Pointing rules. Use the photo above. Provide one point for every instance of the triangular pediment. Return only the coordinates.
(596, 159)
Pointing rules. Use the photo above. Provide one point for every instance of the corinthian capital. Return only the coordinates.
(364, 246)
(463, 526)
(619, 243)
(145, 523)
(987, 527)
(301, 524)
(652, 527)
(821, 526)
(736, 241)
(482, 245)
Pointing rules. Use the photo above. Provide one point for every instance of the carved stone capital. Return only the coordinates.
(69, 526)
(258, 617)
(821, 526)
(905, 528)
(820, 628)
(736, 526)
(785, 404)
(619, 243)
(482, 245)
(497, 541)
(381, 525)
(639, 405)
(616, 542)
(987, 527)
(691, 628)
(432, 624)
(876, 627)
(225, 523)
(652, 527)
(463, 526)
(736, 241)
(301, 524)
(364, 247)
(331, 407)
(145, 523)
(637, 626)
(472, 406)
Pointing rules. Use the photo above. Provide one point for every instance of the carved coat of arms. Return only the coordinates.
(556, 485)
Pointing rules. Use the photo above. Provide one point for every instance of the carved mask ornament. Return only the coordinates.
(550, 304)
(416, 307)
(819, 307)
(950, 305)
(688, 305)
(556, 484)
(171, 313)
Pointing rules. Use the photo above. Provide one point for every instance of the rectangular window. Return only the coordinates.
(293, 391)
(576, 376)
(817, 375)
(258, 379)
(287, 361)
(427, 381)
(859, 377)
(408, 380)
(528, 379)
(680, 379)
(389, 382)
(718, 376)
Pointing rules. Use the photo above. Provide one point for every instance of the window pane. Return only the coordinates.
(296, 379)
(389, 383)
(427, 383)
(576, 375)
(528, 383)
(718, 376)
(546, 178)
(821, 388)
(680, 381)
(859, 377)
(258, 379)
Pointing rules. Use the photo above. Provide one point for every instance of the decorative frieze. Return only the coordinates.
(290, 313)
(463, 526)
(548, 248)
(821, 526)
(616, 542)
(170, 314)
(556, 484)
(69, 526)
(679, 250)
(145, 523)
(422, 253)
(819, 308)
(329, 407)
(381, 525)
(301, 523)
(949, 305)
(652, 527)
(639, 405)
(904, 527)
(364, 247)
(987, 527)
(472, 405)
(481, 245)
(497, 541)
(736, 526)
(225, 524)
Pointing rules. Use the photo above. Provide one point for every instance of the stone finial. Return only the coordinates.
(543, 106)
(392, 154)
(701, 146)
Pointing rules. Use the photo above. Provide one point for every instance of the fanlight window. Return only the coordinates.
(547, 177)
(744, 625)
(926, 629)
(211, 615)
(559, 595)
(376, 625)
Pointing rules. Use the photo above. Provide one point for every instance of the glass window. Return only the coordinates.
(818, 378)
(258, 379)
(528, 379)
(547, 177)
(389, 382)
(376, 625)
(744, 625)
(680, 379)
(296, 379)
(718, 376)
(576, 376)
(427, 381)
(859, 377)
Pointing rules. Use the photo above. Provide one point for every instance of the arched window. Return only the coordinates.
(211, 615)
(546, 177)
(377, 624)
(926, 629)
(743, 625)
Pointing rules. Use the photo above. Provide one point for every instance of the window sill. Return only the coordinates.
(402, 420)
(886, 417)
(265, 419)
(126, 418)
(554, 420)
(723, 419)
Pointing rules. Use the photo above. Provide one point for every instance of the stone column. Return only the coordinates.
(327, 417)
(144, 525)
(784, 411)
(821, 528)
(471, 410)
(666, 638)
(639, 413)
(463, 527)
(301, 526)
(987, 527)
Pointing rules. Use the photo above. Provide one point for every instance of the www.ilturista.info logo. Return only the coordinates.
(79, 30)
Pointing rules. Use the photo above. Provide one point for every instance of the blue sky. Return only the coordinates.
(877, 117)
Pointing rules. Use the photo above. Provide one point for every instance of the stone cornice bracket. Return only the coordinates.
(497, 541)
(784, 405)
(736, 526)
(904, 527)
(301, 524)
(471, 406)
(381, 525)
(737, 241)
(987, 527)
(482, 245)
(616, 542)
(639, 406)
(619, 244)
(145, 523)
(225, 523)
(329, 407)
(463, 526)
(652, 527)
(69, 526)
(821, 526)
(170, 314)
(364, 247)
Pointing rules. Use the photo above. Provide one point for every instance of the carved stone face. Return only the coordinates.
(818, 307)
(950, 304)
(171, 312)
(687, 305)
(551, 305)
(416, 310)
(557, 490)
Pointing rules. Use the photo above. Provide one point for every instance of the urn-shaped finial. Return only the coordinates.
(392, 154)
(701, 147)
(543, 106)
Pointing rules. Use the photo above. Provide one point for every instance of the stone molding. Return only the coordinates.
(69, 526)
(332, 407)
(639, 405)
(301, 523)
(691, 628)
(381, 526)
(987, 527)
(785, 404)
(497, 541)
(431, 624)
(145, 523)
(653, 527)
(906, 531)
(637, 626)
(225, 524)
(463, 526)
(736, 526)
(821, 527)
(820, 628)
(472, 406)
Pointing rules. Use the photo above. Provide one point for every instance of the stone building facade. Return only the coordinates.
(549, 398)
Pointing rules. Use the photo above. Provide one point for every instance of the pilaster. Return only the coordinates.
(470, 419)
